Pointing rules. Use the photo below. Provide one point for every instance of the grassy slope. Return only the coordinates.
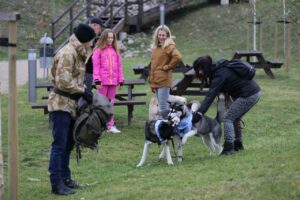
(267, 169)
(34, 23)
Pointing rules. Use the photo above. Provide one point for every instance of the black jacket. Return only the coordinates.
(227, 81)
(89, 63)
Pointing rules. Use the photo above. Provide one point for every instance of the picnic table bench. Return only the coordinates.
(122, 99)
(260, 61)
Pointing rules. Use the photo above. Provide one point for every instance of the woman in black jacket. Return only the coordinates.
(245, 94)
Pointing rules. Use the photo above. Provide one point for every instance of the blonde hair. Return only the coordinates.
(155, 42)
(102, 41)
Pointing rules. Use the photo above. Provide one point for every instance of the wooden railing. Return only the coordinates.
(113, 13)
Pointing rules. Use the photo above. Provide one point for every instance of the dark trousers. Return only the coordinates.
(61, 147)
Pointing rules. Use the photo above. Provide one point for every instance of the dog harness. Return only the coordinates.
(157, 123)
(185, 125)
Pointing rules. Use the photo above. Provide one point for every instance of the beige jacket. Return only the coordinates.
(163, 60)
(68, 70)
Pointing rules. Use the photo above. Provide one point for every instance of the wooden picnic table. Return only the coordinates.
(127, 98)
(258, 61)
(188, 85)
(143, 70)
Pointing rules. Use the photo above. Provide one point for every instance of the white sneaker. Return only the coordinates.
(113, 130)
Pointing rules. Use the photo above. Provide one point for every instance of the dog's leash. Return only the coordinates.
(173, 147)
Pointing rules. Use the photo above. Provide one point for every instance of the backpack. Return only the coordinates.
(91, 122)
(242, 68)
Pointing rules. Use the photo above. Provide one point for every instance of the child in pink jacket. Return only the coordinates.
(108, 71)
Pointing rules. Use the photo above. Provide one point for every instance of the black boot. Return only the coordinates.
(72, 184)
(61, 189)
(228, 149)
(238, 145)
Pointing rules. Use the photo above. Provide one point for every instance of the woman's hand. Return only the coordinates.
(165, 68)
(153, 90)
(121, 85)
(98, 87)
(98, 84)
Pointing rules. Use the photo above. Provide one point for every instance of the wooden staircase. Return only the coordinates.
(115, 14)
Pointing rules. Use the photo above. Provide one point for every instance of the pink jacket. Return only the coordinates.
(107, 66)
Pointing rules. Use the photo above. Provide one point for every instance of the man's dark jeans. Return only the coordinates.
(61, 147)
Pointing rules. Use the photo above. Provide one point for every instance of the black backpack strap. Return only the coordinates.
(78, 153)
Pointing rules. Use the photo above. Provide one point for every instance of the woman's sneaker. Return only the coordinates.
(113, 130)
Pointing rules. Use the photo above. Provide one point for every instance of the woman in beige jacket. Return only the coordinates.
(164, 58)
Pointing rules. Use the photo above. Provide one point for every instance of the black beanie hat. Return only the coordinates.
(84, 33)
(97, 21)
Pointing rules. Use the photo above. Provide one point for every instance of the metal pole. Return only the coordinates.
(44, 54)
(162, 14)
(31, 75)
(254, 26)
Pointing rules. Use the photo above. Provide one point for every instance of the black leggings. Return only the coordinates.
(238, 108)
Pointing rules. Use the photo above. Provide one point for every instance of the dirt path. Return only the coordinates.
(22, 74)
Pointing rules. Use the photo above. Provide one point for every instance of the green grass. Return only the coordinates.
(267, 169)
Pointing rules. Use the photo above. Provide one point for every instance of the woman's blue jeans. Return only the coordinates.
(162, 95)
(61, 146)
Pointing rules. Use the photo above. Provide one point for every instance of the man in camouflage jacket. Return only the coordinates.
(68, 71)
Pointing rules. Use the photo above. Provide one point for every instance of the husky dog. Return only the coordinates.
(208, 129)
(159, 132)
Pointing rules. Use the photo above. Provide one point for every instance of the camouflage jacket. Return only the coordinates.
(68, 70)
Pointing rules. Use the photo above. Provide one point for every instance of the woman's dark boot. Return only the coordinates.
(238, 145)
(228, 149)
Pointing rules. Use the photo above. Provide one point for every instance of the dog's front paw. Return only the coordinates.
(184, 139)
(179, 159)
(139, 165)
(170, 163)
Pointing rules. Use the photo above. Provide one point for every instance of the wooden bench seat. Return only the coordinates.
(40, 106)
(134, 94)
(130, 102)
(175, 83)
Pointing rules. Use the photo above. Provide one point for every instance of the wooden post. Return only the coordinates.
(88, 9)
(1, 158)
(256, 24)
(13, 165)
(248, 36)
(140, 15)
(276, 42)
(298, 24)
(13, 144)
(260, 35)
(287, 40)
(288, 45)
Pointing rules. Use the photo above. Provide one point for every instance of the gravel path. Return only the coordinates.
(22, 74)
